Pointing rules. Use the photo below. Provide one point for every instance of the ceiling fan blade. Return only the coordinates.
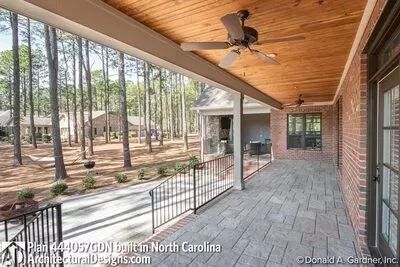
(233, 26)
(192, 46)
(228, 59)
(264, 57)
(284, 39)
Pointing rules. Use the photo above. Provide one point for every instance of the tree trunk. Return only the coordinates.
(147, 110)
(171, 115)
(139, 135)
(16, 93)
(107, 103)
(75, 93)
(38, 94)
(90, 98)
(82, 106)
(30, 84)
(67, 94)
(24, 92)
(155, 102)
(10, 94)
(105, 78)
(161, 110)
(52, 59)
(124, 115)
(184, 122)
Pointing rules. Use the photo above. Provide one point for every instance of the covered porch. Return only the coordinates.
(326, 177)
(290, 209)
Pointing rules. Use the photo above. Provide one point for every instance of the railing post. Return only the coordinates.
(258, 158)
(6, 230)
(26, 238)
(152, 210)
(59, 230)
(194, 189)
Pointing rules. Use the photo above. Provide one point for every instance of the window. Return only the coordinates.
(304, 131)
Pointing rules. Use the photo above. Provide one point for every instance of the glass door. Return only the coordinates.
(389, 163)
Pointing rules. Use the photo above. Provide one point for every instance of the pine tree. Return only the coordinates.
(16, 92)
(124, 115)
(52, 59)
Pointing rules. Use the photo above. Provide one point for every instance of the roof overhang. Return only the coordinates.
(252, 108)
(99, 22)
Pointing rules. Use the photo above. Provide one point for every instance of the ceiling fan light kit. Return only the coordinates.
(240, 37)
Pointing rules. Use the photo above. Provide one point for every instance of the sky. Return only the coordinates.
(96, 64)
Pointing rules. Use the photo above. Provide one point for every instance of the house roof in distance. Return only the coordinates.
(134, 120)
(6, 119)
(216, 99)
(5, 116)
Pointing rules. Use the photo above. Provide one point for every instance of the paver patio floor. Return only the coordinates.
(289, 209)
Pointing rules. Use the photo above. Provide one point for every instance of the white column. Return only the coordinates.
(237, 141)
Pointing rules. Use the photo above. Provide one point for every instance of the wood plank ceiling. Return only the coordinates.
(311, 67)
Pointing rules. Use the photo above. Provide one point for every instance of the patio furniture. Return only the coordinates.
(255, 148)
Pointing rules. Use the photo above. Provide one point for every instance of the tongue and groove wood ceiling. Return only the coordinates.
(311, 67)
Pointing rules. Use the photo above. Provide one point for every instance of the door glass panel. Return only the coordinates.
(393, 233)
(386, 146)
(385, 221)
(395, 106)
(387, 110)
(389, 160)
(386, 183)
(394, 192)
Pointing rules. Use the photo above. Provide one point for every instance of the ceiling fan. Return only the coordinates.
(240, 37)
(296, 103)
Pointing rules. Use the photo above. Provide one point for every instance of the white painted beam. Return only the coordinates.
(99, 22)
(238, 182)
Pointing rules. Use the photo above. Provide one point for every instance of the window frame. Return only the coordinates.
(303, 135)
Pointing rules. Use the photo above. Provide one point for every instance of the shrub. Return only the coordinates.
(46, 138)
(89, 181)
(162, 171)
(26, 193)
(121, 177)
(38, 135)
(179, 167)
(114, 135)
(58, 188)
(193, 160)
(140, 174)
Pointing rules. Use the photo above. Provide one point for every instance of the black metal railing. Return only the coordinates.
(41, 227)
(193, 187)
(211, 179)
(256, 159)
(172, 197)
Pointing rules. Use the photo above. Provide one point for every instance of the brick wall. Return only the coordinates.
(279, 134)
(353, 177)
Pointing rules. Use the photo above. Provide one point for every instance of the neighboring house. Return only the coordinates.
(42, 124)
(215, 106)
(99, 123)
(5, 116)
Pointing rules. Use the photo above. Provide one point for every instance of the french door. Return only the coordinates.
(388, 132)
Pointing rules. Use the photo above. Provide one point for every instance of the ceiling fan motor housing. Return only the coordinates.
(250, 37)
